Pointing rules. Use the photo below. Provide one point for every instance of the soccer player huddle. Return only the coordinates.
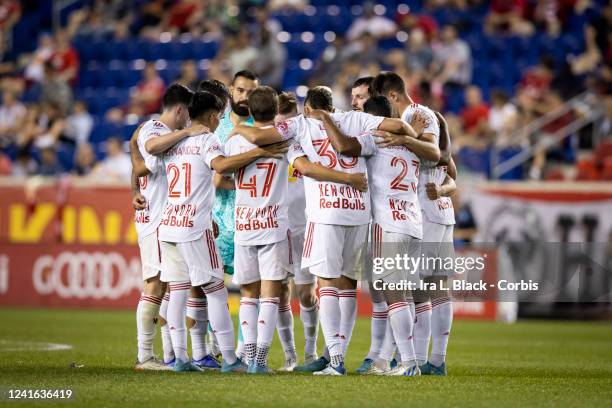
(233, 180)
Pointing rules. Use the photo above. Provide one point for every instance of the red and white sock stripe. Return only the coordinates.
(422, 307)
(328, 291)
(284, 308)
(151, 299)
(347, 293)
(167, 296)
(440, 301)
(308, 240)
(397, 306)
(245, 302)
(174, 286)
(380, 315)
(213, 287)
(269, 300)
(197, 303)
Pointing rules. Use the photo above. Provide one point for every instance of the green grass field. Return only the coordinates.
(529, 363)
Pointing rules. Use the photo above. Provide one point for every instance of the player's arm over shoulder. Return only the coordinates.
(267, 135)
(138, 163)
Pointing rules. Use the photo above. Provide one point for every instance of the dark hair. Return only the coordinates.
(363, 81)
(245, 74)
(386, 82)
(499, 94)
(216, 88)
(203, 102)
(263, 104)
(287, 103)
(378, 105)
(319, 97)
(176, 94)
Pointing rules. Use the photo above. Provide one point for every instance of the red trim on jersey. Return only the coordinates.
(212, 251)
(158, 245)
(289, 243)
(308, 243)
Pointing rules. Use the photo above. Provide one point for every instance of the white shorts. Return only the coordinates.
(388, 245)
(331, 251)
(437, 243)
(253, 263)
(150, 255)
(301, 276)
(195, 261)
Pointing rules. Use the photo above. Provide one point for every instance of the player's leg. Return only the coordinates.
(378, 328)
(284, 327)
(309, 315)
(197, 323)
(149, 303)
(246, 274)
(331, 316)
(354, 242)
(165, 330)
(247, 316)
(274, 266)
(402, 322)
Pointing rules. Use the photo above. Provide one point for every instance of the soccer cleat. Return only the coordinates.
(406, 371)
(237, 367)
(184, 367)
(317, 365)
(207, 363)
(329, 370)
(365, 365)
(393, 363)
(152, 364)
(375, 370)
(430, 369)
(290, 364)
(170, 363)
(255, 368)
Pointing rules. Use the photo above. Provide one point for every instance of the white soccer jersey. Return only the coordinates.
(435, 211)
(331, 203)
(153, 186)
(438, 211)
(296, 197)
(393, 180)
(190, 194)
(261, 197)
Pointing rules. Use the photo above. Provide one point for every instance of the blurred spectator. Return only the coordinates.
(12, 116)
(49, 164)
(6, 167)
(536, 81)
(270, 64)
(51, 125)
(183, 16)
(587, 61)
(35, 68)
(502, 116)
(24, 165)
(84, 159)
(189, 75)
(371, 23)
(117, 165)
(426, 23)
(452, 59)
(241, 54)
(79, 124)
(146, 99)
(475, 116)
(65, 59)
(287, 5)
(54, 90)
(10, 12)
(418, 52)
(508, 16)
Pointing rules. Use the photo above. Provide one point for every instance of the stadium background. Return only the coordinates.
(525, 85)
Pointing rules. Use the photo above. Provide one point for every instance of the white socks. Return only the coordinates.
(388, 347)
(330, 322)
(197, 310)
(284, 326)
(441, 322)
(165, 330)
(401, 323)
(146, 317)
(247, 315)
(310, 321)
(348, 309)
(422, 331)
(378, 328)
(179, 291)
(220, 319)
(266, 324)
